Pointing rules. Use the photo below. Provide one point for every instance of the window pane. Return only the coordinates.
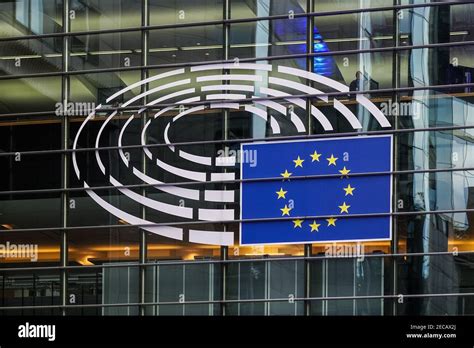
(29, 17)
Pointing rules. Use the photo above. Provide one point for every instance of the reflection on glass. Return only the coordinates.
(42, 94)
(31, 56)
(105, 51)
(268, 38)
(184, 45)
(352, 277)
(439, 274)
(181, 271)
(266, 280)
(94, 89)
(27, 17)
(264, 8)
(96, 246)
(179, 283)
(37, 288)
(104, 14)
(185, 11)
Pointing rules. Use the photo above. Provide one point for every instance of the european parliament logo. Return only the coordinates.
(328, 190)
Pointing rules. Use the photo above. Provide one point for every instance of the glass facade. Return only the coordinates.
(62, 61)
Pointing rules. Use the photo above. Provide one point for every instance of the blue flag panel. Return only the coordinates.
(274, 191)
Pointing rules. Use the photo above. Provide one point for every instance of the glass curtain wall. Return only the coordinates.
(61, 59)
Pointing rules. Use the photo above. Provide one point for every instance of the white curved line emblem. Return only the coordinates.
(206, 83)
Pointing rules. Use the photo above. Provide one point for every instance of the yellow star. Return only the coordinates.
(298, 162)
(297, 223)
(349, 190)
(332, 160)
(286, 175)
(285, 211)
(315, 156)
(344, 208)
(344, 171)
(331, 221)
(314, 226)
(281, 193)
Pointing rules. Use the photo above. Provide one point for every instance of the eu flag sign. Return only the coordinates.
(316, 191)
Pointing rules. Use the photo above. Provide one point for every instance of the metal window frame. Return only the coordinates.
(226, 22)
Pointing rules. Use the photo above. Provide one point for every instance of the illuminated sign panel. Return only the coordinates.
(324, 192)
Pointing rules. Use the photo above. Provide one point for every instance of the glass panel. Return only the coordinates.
(421, 109)
(185, 11)
(30, 17)
(264, 8)
(104, 14)
(247, 281)
(446, 190)
(282, 280)
(437, 274)
(183, 45)
(343, 275)
(105, 51)
(94, 89)
(28, 249)
(37, 288)
(268, 38)
(359, 72)
(31, 56)
(328, 5)
(418, 25)
(455, 305)
(42, 93)
(356, 31)
(436, 66)
(89, 246)
(117, 291)
(16, 140)
(177, 284)
(30, 211)
(85, 288)
(286, 281)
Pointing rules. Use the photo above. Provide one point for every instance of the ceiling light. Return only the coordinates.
(210, 47)
(110, 52)
(164, 49)
(288, 43)
(84, 261)
(456, 33)
(76, 54)
(250, 45)
(20, 57)
(53, 55)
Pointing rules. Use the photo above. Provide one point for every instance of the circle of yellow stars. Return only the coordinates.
(344, 207)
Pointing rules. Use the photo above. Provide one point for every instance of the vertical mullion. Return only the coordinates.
(224, 249)
(143, 240)
(309, 59)
(64, 159)
(309, 67)
(395, 99)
